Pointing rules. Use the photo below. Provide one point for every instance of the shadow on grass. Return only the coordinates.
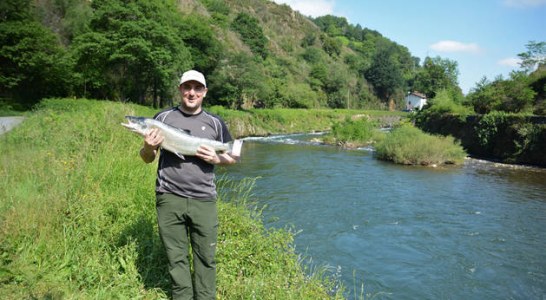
(152, 264)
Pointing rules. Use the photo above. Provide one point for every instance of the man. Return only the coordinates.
(186, 193)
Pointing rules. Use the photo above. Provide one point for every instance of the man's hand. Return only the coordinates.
(208, 154)
(152, 140)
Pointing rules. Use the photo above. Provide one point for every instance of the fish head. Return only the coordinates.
(137, 125)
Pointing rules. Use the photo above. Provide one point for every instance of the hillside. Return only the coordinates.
(255, 53)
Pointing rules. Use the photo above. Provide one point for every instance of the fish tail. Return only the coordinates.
(235, 147)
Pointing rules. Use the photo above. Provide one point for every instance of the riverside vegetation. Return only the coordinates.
(77, 217)
(350, 129)
(404, 144)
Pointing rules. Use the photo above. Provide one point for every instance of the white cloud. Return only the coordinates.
(454, 46)
(524, 3)
(313, 8)
(510, 62)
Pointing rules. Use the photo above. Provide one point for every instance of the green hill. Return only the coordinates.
(255, 54)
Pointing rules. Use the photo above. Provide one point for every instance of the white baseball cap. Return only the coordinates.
(193, 75)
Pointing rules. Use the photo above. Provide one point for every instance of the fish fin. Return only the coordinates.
(236, 148)
(180, 155)
(184, 131)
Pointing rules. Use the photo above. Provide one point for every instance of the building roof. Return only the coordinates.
(422, 96)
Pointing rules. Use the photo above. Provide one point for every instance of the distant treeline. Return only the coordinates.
(255, 54)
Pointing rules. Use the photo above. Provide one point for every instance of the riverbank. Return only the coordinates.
(265, 122)
(78, 218)
(497, 136)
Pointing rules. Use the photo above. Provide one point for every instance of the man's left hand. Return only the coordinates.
(208, 154)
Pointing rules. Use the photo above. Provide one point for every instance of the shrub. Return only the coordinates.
(489, 126)
(446, 102)
(251, 33)
(358, 131)
(410, 146)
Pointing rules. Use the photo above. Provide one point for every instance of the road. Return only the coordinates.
(7, 123)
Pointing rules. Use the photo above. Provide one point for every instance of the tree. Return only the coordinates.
(332, 46)
(534, 57)
(517, 95)
(32, 63)
(484, 97)
(239, 81)
(385, 74)
(318, 75)
(436, 74)
(15, 10)
(332, 25)
(67, 18)
(91, 53)
(252, 34)
(512, 95)
(537, 82)
(132, 52)
(201, 41)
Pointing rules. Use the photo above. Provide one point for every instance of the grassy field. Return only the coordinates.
(77, 217)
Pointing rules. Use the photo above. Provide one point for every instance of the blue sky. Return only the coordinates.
(483, 36)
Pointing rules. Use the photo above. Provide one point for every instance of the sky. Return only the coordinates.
(483, 36)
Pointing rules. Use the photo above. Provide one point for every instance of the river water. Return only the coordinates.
(387, 231)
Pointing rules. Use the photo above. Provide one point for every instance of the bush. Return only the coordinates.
(358, 131)
(446, 102)
(513, 95)
(251, 33)
(410, 146)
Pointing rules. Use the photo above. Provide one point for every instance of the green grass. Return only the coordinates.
(260, 122)
(77, 217)
(357, 132)
(410, 146)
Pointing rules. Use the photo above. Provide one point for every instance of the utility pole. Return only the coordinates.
(348, 99)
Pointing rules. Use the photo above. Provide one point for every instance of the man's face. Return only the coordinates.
(192, 93)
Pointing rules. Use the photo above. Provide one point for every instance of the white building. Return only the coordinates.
(415, 101)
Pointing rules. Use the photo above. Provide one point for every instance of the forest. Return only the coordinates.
(255, 54)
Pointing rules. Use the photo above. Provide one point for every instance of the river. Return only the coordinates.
(387, 231)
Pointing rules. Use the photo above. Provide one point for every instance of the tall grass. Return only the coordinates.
(77, 217)
(410, 146)
(259, 122)
(353, 132)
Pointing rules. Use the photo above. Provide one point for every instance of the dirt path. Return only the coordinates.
(7, 123)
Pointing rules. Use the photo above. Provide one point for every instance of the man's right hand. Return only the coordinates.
(152, 140)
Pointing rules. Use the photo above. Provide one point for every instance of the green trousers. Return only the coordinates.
(184, 222)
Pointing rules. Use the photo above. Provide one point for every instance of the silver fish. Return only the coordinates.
(178, 141)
